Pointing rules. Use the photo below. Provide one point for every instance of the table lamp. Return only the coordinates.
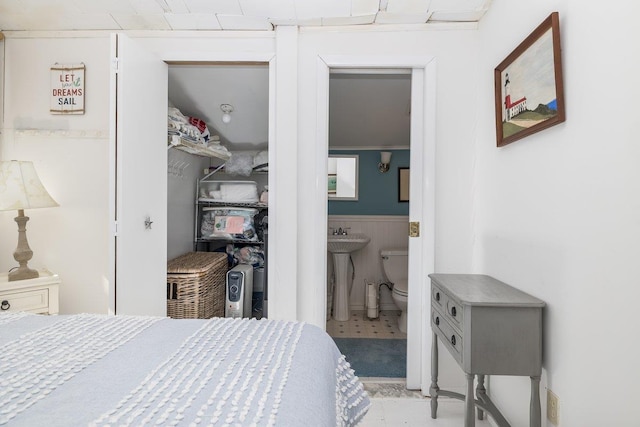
(20, 189)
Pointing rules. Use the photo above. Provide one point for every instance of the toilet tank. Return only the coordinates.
(395, 264)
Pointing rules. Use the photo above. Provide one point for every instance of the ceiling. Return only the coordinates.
(365, 110)
(199, 91)
(378, 104)
(17, 15)
(369, 110)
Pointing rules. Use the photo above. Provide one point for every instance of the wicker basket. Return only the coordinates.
(195, 285)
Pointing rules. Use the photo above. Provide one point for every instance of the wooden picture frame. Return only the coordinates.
(403, 184)
(528, 85)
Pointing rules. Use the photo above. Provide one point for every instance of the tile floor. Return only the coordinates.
(359, 326)
(392, 406)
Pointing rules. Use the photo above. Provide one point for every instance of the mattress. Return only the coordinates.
(130, 370)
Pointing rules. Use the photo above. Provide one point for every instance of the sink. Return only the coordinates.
(344, 244)
(341, 246)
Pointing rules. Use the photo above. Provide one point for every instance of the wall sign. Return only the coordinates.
(67, 89)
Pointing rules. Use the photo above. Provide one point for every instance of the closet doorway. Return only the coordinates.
(138, 151)
(229, 105)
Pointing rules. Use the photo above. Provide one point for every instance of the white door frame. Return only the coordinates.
(422, 206)
(204, 49)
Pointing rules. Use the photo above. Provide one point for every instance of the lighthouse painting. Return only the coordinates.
(528, 84)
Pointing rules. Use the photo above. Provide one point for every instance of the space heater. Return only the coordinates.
(239, 291)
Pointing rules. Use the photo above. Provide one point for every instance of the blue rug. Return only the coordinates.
(371, 357)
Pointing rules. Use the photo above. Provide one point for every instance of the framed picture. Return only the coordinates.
(403, 184)
(528, 85)
(332, 181)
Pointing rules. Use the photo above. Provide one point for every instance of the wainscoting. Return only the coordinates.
(385, 231)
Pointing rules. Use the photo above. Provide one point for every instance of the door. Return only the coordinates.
(138, 179)
(419, 259)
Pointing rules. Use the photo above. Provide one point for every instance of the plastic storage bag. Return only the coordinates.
(229, 223)
(239, 164)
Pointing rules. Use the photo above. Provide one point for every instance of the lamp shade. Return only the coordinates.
(20, 187)
(385, 157)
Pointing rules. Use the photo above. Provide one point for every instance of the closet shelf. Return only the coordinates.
(175, 141)
(215, 202)
(229, 240)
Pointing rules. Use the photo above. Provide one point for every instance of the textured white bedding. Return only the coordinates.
(127, 370)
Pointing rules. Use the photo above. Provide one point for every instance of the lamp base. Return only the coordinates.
(23, 273)
(23, 252)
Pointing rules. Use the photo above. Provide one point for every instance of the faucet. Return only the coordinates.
(340, 231)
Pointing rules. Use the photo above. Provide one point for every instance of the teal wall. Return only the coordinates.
(377, 192)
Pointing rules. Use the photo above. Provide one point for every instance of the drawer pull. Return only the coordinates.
(453, 339)
(437, 320)
(437, 296)
(453, 311)
(4, 305)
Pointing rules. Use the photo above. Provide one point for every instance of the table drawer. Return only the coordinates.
(438, 297)
(448, 306)
(36, 301)
(447, 333)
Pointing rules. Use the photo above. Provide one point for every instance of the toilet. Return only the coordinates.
(395, 264)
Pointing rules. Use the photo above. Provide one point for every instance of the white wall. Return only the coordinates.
(557, 214)
(181, 188)
(70, 154)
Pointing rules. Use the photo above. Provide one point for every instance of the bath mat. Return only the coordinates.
(370, 357)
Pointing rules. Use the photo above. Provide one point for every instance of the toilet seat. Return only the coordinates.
(401, 287)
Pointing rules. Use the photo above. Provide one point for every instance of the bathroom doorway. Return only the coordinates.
(422, 191)
(369, 118)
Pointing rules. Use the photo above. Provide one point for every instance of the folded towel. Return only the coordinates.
(239, 192)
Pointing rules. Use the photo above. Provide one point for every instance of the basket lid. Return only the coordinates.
(195, 262)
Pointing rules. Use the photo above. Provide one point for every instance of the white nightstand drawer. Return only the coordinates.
(38, 295)
(36, 301)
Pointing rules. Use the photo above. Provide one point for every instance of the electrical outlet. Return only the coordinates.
(552, 407)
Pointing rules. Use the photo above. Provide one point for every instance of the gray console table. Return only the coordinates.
(490, 328)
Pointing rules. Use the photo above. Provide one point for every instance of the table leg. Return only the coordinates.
(534, 409)
(433, 390)
(469, 410)
(480, 392)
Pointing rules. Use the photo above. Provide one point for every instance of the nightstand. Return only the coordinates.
(39, 295)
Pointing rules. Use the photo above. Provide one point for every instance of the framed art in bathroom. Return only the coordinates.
(528, 85)
(403, 184)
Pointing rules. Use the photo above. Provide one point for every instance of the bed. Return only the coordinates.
(131, 370)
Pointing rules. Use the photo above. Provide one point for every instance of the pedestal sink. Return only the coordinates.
(341, 246)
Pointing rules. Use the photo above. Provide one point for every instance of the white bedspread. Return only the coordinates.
(126, 370)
